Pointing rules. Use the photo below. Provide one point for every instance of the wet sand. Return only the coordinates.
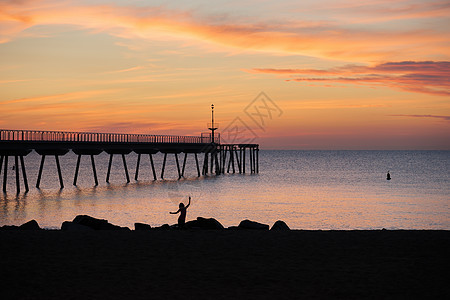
(228, 264)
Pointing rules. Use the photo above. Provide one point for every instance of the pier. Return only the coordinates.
(217, 158)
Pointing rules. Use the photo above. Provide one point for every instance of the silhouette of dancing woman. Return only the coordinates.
(182, 210)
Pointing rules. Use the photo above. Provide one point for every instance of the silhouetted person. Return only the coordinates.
(388, 176)
(182, 210)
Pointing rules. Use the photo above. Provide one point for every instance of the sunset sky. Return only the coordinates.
(337, 74)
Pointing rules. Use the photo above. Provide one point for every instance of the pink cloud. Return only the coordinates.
(422, 77)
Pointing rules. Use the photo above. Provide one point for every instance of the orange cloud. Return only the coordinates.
(314, 39)
(423, 77)
(391, 10)
(60, 97)
(445, 118)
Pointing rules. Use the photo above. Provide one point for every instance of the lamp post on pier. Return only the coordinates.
(212, 126)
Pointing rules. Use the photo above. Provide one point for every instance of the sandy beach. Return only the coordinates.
(226, 264)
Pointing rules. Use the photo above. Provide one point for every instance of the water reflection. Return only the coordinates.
(13, 205)
(307, 189)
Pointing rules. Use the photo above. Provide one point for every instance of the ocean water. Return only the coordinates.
(307, 189)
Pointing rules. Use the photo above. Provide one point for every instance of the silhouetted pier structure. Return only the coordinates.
(217, 158)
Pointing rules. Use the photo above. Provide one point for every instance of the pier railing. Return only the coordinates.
(62, 136)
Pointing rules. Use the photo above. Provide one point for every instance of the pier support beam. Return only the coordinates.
(94, 170)
(16, 162)
(125, 167)
(77, 168)
(18, 165)
(153, 167)
(178, 166)
(109, 167)
(137, 167)
(184, 164)
(59, 172)
(38, 182)
(24, 174)
(257, 160)
(250, 152)
(224, 158)
(56, 153)
(205, 164)
(243, 161)
(241, 169)
(198, 167)
(163, 166)
(5, 173)
(217, 165)
(111, 154)
(150, 152)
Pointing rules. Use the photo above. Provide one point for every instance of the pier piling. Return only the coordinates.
(184, 164)
(178, 166)
(163, 166)
(125, 167)
(5, 173)
(137, 167)
(94, 170)
(24, 174)
(77, 168)
(38, 182)
(16, 161)
(59, 172)
(153, 167)
(109, 167)
(196, 162)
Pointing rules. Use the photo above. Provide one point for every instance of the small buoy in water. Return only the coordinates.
(388, 176)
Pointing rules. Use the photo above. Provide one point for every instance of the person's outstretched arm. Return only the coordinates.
(173, 213)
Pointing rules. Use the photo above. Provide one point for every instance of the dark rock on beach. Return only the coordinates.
(280, 226)
(9, 227)
(142, 226)
(164, 227)
(204, 223)
(71, 226)
(30, 225)
(247, 224)
(96, 224)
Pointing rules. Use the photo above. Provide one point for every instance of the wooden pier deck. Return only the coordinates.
(217, 158)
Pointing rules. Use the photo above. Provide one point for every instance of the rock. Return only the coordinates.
(9, 227)
(280, 226)
(31, 225)
(247, 224)
(233, 228)
(205, 223)
(163, 227)
(142, 226)
(71, 226)
(96, 224)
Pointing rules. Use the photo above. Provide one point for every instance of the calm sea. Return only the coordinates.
(306, 189)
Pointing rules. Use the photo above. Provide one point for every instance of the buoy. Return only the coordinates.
(388, 176)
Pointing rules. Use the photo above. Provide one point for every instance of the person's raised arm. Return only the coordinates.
(189, 203)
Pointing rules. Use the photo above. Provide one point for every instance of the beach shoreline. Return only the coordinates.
(224, 264)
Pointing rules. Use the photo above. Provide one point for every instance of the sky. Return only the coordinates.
(285, 74)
